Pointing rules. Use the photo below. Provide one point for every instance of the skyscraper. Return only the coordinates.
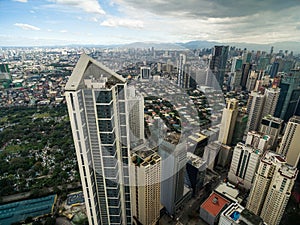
(172, 176)
(251, 81)
(183, 76)
(99, 115)
(228, 121)
(258, 140)
(244, 163)
(245, 72)
(274, 69)
(145, 72)
(145, 185)
(236, 64)
(289, 95)
(218, 62)
(271, 126)
(290, 143)
(254, 109)
(271, 99)
(272, 186)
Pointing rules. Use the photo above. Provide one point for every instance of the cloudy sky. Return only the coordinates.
(49, 22)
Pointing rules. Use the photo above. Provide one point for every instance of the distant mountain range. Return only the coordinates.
(290, 46)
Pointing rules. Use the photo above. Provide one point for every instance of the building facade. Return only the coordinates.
(145, 185)
(229, 116)
(273, 183)
(255, 107)
(244, 163)
(97, 106)
(271, 126)
(290, 143)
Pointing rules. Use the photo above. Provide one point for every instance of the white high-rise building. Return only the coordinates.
(145, 185)
(228, 121)
(271, 95)
(183, 76)
(272, 188)
(290, 143)
(254, 109)
(136, 115)
(251, 81)
(97, 102)
(258, 140)
(243, 166)
(236, 214)
(271, 126)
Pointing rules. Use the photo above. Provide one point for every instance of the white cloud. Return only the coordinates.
(90, 6)
(120, 22)
(26, 26)
(23, 1)
(63, 31)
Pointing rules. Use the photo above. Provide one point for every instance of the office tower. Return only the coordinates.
(183, 77)
(228, 121)
(172, 174)
(245, 72)
(271, 99)
(274, 69)
(287, 65)
(246, 56)
(240, 126)
(236, 214)
(136, 115)
(97, 105)
(254, 109)
(272, 186)
(236, 64)
(251, 81)
(244, 163)
(218, 62)
(271, 126)
(263, 63)
(289, 95)
(145, 175)
(210, 153)
(235, 82)
(195, 172)
(290, 143)
(258, 140)
(145, 72)
(272, 50)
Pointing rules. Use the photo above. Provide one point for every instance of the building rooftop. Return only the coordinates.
(143, 155)
(228, 190)
(88, 68)
(214, 204)
(19, 211)
(233, 212)
(195, 160)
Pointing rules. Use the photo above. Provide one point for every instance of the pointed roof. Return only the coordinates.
(87, 68)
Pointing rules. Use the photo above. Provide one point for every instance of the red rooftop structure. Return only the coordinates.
(212, 207)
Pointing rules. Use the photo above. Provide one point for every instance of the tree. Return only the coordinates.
(50, 221)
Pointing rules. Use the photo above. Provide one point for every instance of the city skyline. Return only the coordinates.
(61, 22)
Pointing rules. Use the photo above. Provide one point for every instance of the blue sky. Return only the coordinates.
(50, 22)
